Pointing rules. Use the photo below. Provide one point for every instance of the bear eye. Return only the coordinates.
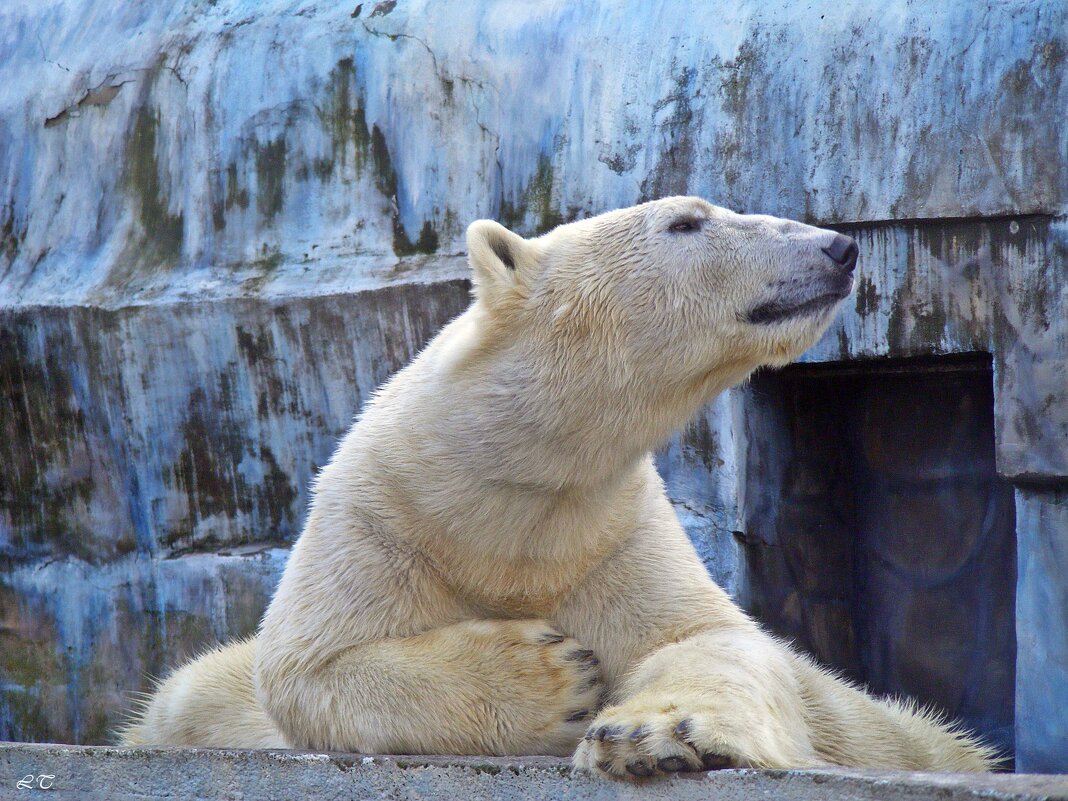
(687, 226)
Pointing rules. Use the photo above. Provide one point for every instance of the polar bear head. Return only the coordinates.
(671, 292)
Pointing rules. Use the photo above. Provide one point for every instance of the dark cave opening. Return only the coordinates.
(878, 535)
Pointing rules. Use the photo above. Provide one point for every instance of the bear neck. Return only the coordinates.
(498, 454)
(511, 417)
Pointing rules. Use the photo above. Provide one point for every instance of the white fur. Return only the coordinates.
(499, 489)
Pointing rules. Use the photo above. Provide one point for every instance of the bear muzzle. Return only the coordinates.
(818, 292)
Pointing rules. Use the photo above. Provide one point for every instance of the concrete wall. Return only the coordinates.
(222, 224)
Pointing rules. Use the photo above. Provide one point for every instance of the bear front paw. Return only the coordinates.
(643, 743)
(556, 687)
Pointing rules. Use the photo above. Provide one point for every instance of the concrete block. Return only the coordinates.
(108, 774)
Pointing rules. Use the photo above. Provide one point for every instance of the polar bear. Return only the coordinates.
(490, 564)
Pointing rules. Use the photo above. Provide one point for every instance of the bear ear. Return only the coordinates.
(498, 258)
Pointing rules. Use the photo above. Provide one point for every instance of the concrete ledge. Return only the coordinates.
(91, 773)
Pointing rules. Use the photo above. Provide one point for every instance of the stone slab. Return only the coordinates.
(109, 774)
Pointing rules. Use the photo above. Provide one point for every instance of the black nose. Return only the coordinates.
(844, 251)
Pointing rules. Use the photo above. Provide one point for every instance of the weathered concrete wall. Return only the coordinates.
(156, 464)
(222, 224)
(195, 150)
(1041, 605)
(111, 774)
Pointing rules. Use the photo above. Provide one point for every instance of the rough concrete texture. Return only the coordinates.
(1042, 663)
(203, 149)
(109, 774)
(223, 224)
(156, 465)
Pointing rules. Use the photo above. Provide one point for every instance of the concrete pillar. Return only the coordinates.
(1042, 630)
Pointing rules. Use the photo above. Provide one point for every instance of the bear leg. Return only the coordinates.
(477, 687)
(725, 699)
(209, 702)
(736, 698)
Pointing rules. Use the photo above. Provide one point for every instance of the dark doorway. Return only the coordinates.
(878, 535)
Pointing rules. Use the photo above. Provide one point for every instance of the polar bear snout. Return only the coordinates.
(811, 291)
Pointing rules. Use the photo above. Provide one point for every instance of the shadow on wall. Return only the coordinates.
(879, 536)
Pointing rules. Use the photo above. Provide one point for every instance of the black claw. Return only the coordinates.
(552, 638)
(608, 733)
(581, 714)
(606, 766)
(673, 765)
(639, 734)
(640, 769)
(682, 731)
(712, 761)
